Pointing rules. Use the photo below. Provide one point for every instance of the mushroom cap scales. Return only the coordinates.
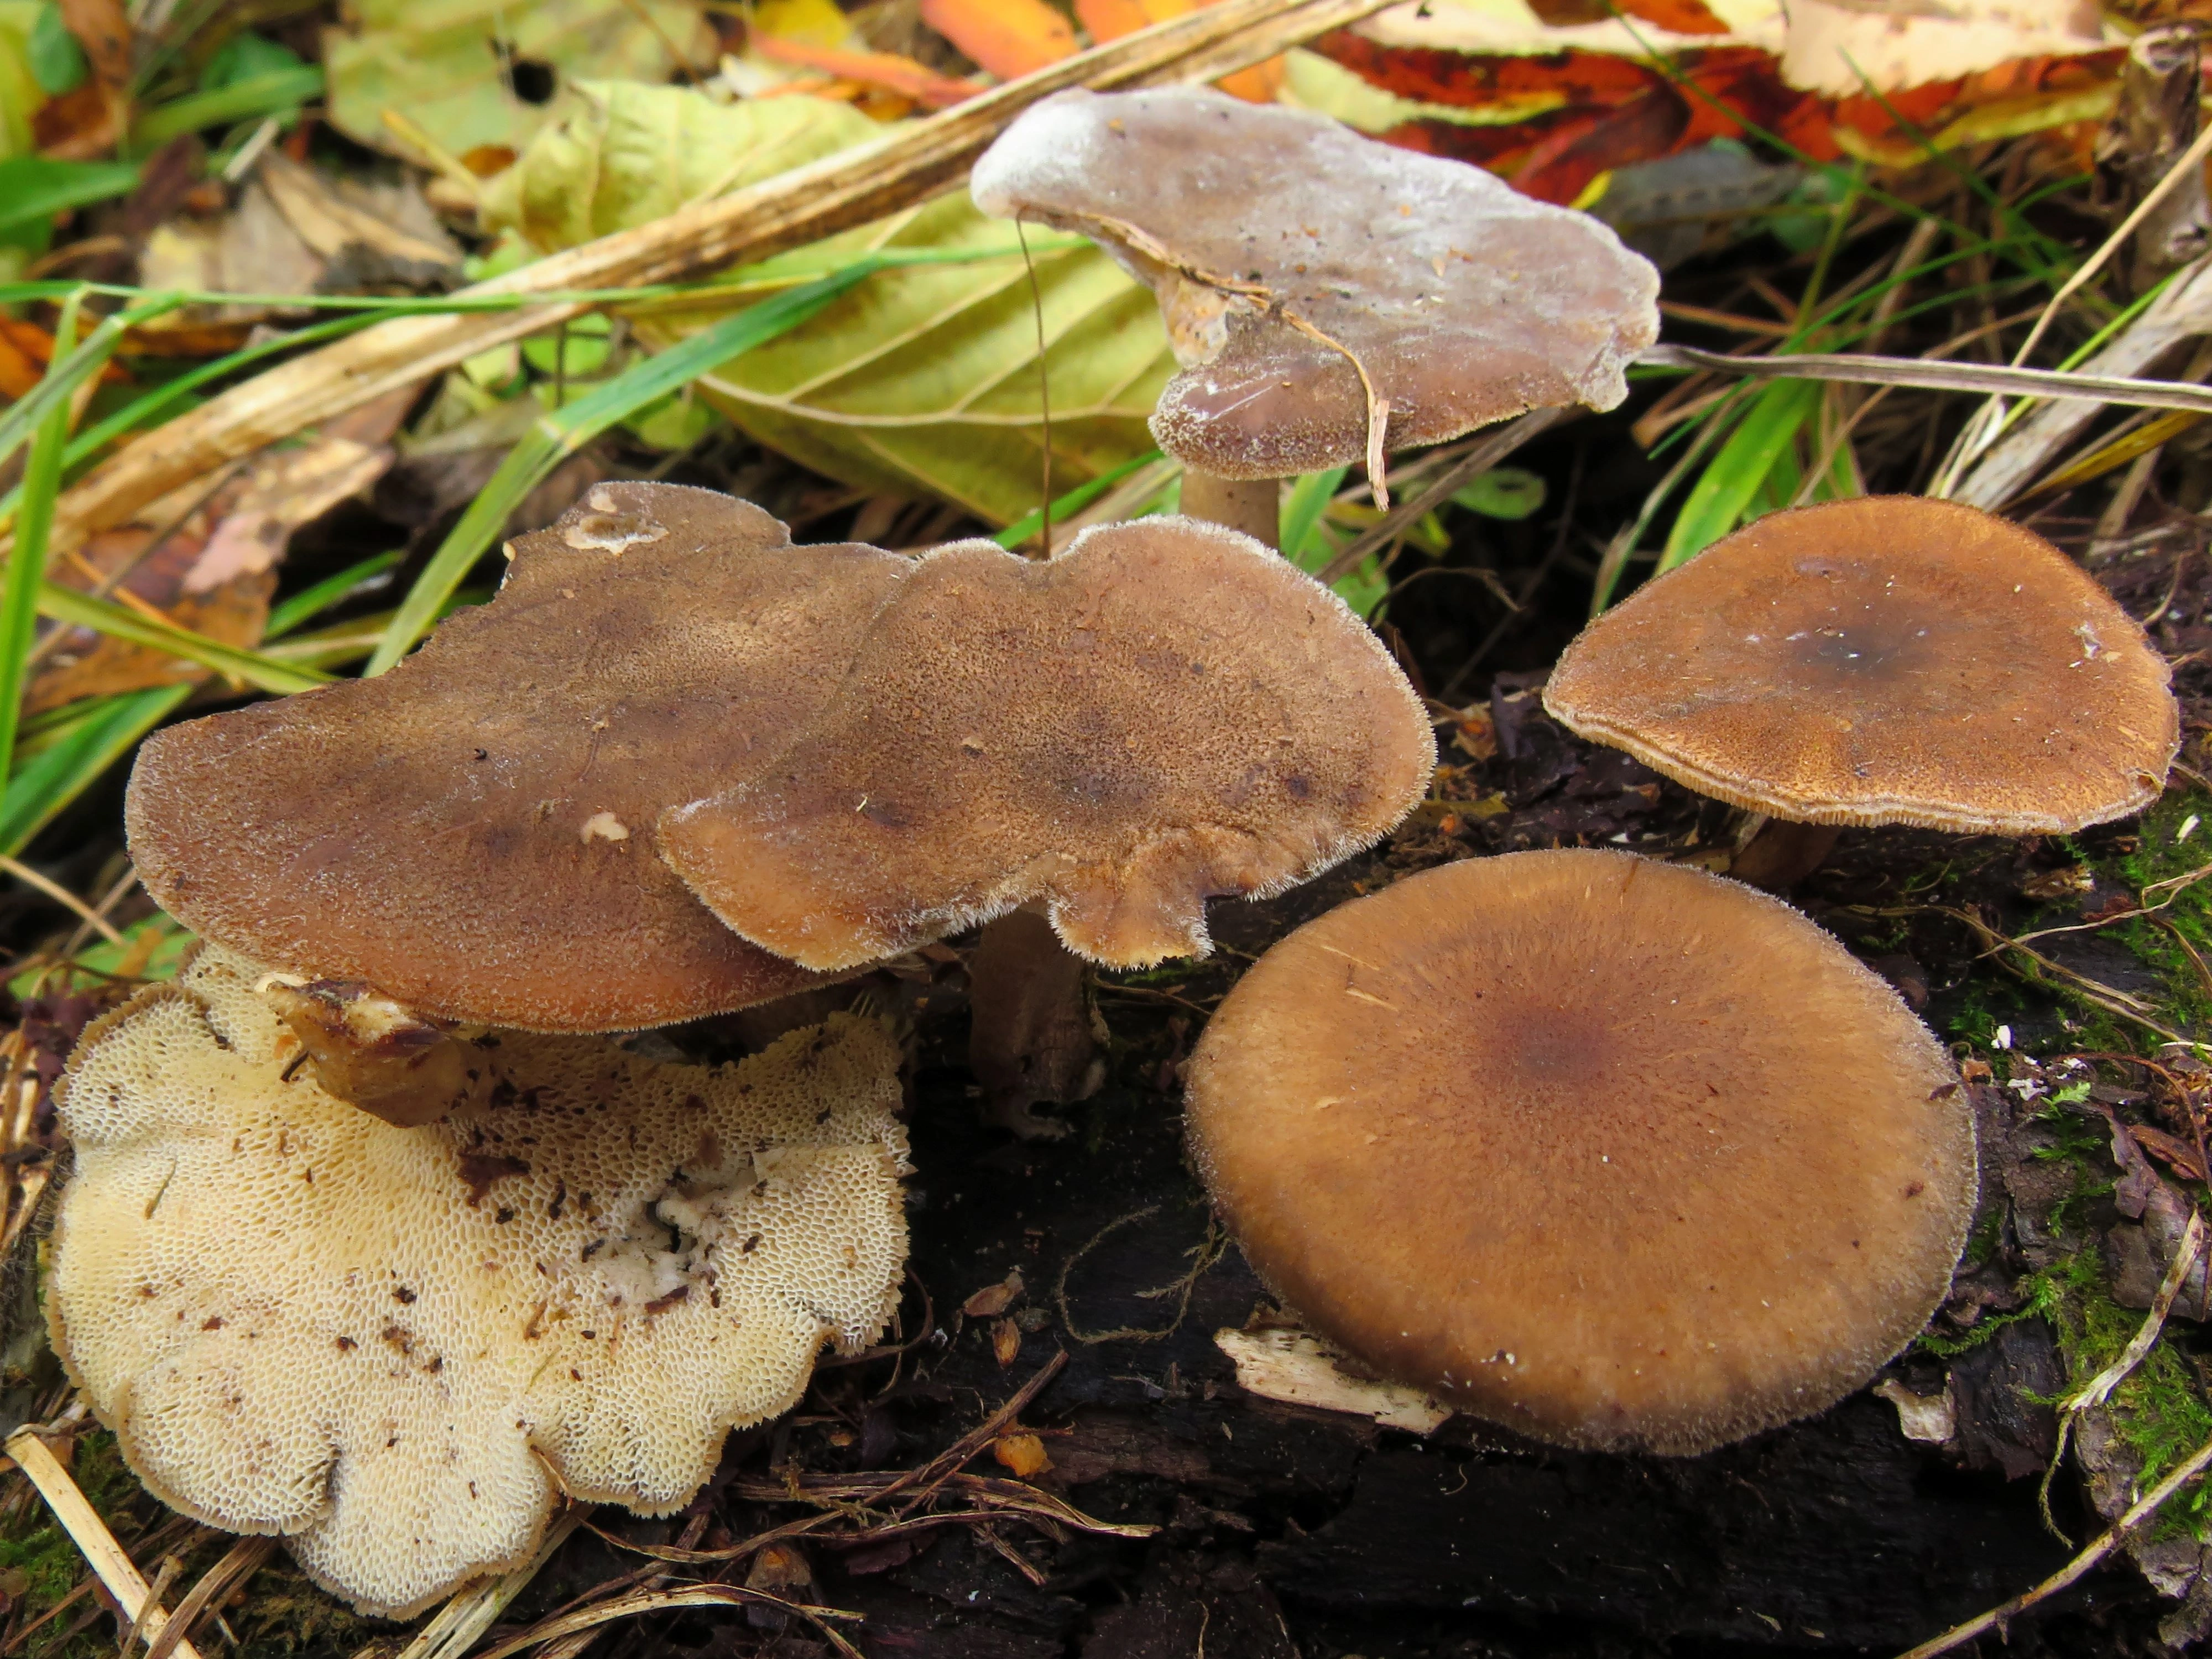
(1615, 1154)
(1465, 301)
(1163, 711)
(396, 1347)
(1885, 659)
(471, 833)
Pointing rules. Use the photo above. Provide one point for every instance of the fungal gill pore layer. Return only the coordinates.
(398, 1347)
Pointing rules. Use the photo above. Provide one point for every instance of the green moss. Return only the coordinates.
(2159, 1410)
(2160, 855)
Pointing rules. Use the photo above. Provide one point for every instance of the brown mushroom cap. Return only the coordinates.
(1616, 1153)
(1161, 712)
(472, 832)
(1887, 660)
(1465, 301)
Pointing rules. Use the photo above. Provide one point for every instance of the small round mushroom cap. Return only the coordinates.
(1161, 712)
(1284, 246)
(1617, 1154)
(472, 833)
(1886, 659)
(396, 1347)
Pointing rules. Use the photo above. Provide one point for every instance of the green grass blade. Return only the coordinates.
(312, 602)
(268, 94)
(72, 762)
(1732, 481)
(66, 604)
(1309, 498)
(26, 559)
(1074, 501)
(35, 187)
(560, 434)
(349, 642)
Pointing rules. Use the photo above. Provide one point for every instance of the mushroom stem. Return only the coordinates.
(1252, 506)
(1031, 1041)
(1779, 854)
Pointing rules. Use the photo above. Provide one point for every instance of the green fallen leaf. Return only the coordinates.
(243, 57)
(1504, 492)
(925, 380)
(57, 61)
(451, 68)
(34, 188)
(20, 94)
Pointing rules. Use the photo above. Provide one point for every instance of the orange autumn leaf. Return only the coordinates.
(1009, 37)
(1109, 19)
(887, 69)
(33, 345)
(19, 370)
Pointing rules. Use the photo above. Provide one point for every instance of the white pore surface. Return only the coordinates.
(396, 1347)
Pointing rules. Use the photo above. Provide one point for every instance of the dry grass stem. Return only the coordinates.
(90, 1534)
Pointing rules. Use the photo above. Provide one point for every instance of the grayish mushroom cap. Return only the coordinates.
(1309, 276)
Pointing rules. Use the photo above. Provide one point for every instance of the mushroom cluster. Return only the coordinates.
(678, 766)
(1638, 1157)
(378, 1240)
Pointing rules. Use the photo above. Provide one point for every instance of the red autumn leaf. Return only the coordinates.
(1678, 16)
(1566, 164)
(1009, 37)
(1432, 76)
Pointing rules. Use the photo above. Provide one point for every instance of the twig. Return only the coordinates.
(2098, 1387)
(1379, 406)
(1208, 1252)
(696, 1595)
(240, 1563)
(163, 1578)
(1995, 944)
(90, 1533)
(1997, 1618)
(32, 1186)
(469, 1612)
(2189, 160)
(970, 1444)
